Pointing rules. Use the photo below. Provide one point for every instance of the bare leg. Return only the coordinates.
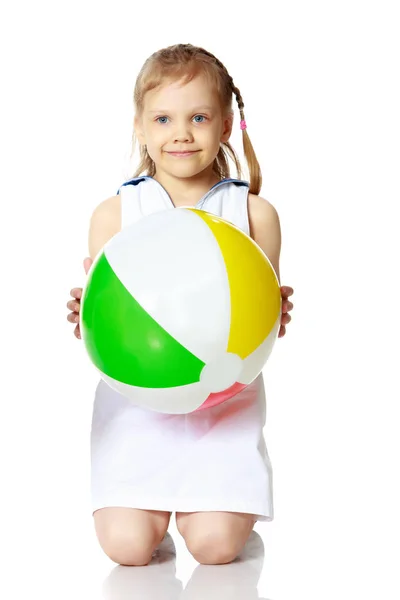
(129, 536)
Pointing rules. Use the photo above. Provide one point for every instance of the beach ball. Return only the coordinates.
(180, 311)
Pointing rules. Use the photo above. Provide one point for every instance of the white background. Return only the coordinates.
(320, 82)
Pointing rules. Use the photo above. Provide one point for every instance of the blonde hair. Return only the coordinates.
(184, 62)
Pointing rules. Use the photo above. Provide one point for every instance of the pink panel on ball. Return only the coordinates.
(217, 398)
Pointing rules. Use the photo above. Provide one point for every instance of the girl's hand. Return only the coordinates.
(286, 307)
(75, 305)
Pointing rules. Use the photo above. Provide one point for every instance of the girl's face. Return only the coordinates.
(183, 127)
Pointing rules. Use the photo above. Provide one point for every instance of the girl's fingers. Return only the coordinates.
(286, 291)
(77, 332)
(286, 306)
(74, 305)
(73, 317)
(76, 293)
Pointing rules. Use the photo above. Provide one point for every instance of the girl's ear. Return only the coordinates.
(227, 127)
(138, 127)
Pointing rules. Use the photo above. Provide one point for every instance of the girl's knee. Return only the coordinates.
(207, 553)
(215, 538)
(213, 548)
(128, 550)
(128, 536)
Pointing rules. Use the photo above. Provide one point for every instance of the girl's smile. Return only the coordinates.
(183, 154)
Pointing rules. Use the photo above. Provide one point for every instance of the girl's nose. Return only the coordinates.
(183, 134)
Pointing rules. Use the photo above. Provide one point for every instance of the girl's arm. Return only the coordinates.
(104, 224)
(265, 229)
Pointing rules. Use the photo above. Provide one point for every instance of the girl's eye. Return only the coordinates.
(197, 118)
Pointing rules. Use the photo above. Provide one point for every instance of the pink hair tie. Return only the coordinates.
(243, 124)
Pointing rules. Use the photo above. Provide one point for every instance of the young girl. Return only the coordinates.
(211, 467)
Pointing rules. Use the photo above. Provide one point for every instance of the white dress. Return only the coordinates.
(211, 460)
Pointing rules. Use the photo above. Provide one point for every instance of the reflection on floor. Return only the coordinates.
(157, 581)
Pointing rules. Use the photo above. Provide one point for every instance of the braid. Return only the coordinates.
(239, 100)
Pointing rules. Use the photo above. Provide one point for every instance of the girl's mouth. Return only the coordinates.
(183, 154)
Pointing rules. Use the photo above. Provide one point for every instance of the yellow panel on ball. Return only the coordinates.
(254, 287)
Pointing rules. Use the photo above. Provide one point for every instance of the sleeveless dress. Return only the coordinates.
(212, 460)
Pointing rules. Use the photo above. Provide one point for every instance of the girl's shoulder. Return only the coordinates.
(261, 209)
(108, 207)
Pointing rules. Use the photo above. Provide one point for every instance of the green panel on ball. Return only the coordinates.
(125, 342)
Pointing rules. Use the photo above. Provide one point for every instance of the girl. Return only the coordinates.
(212, 468)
